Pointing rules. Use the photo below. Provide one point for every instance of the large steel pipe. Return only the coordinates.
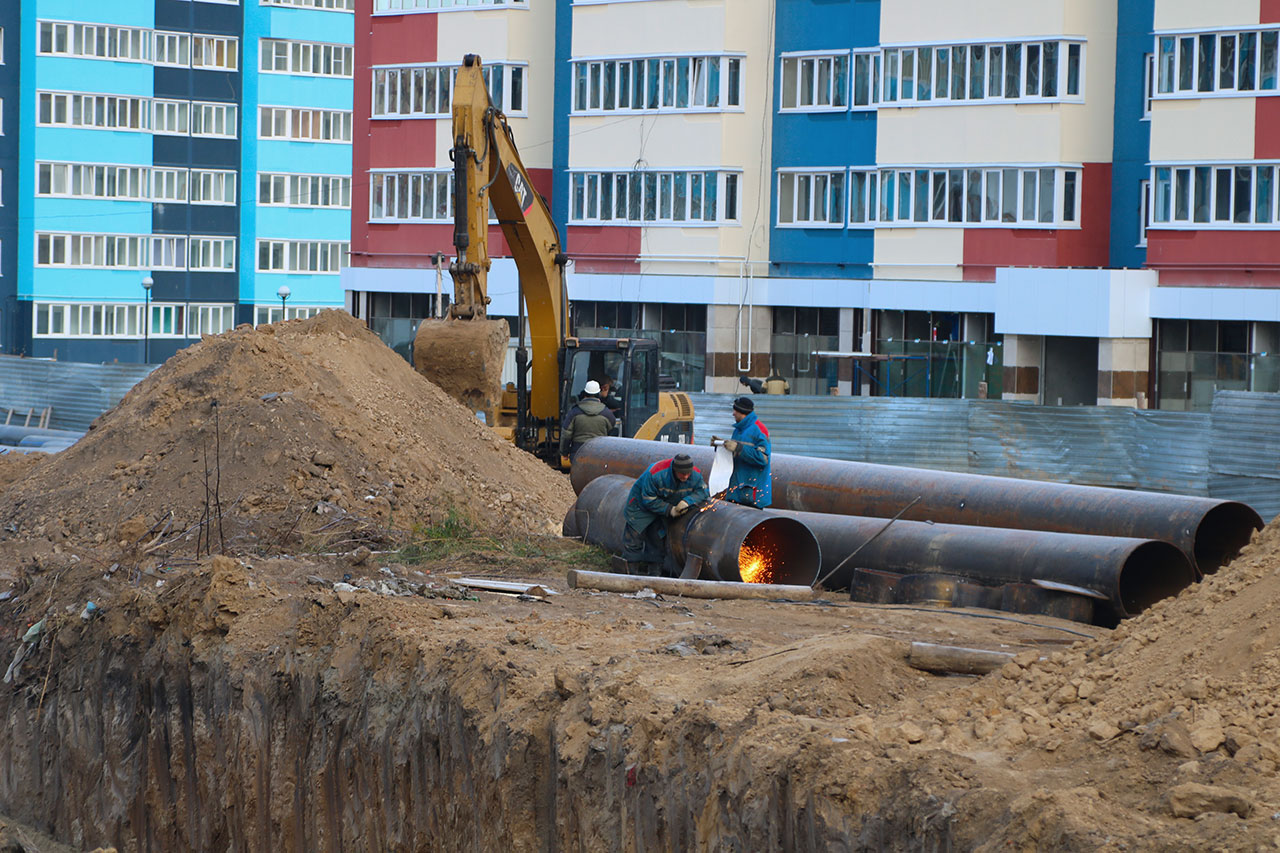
(717, 540)
(1210, 532)
(1131, 574)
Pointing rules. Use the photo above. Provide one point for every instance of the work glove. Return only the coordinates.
(715, 439)
(732, 446)
(674, 511)
(680, 509)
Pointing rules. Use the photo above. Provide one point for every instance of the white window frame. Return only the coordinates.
(798, 192)
(876, 196)
(269, 117)
(1166, 209)
(794, 96)
(212, 186)
(68, 38)
(78, 104)
(104, 319)
(318, 5)
(942, 84)
(212, 254)
(215, 53)
(609, 85)
(171, 118)
(210, 319)
(63, 179)
(416, 7)
(166, 42)
(305, 257)
(299, 57)
(656, 190)
(1144, 211)
(216, 120)
(400, 91)
(271, 313)
(393, 193)
(287, 189)
(1169, 63)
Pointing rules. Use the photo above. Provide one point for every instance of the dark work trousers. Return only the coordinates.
(645, 546)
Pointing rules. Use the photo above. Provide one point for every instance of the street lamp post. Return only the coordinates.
(283, 293)
(146, 321)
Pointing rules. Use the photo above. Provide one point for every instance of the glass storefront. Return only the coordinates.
(1195, 358)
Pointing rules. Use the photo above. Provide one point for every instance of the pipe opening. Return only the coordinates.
(1222, 532)
(778, 551)
(1153, 571)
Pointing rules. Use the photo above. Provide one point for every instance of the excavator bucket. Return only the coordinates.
(465, 358)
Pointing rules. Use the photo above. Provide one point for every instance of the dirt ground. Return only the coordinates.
(324, 687)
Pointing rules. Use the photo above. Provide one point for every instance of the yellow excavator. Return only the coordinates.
(465, 352)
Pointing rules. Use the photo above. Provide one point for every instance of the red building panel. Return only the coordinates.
(1215, 258)
(600, 248)
(985, 249)
(402, 143)
(1270, 12)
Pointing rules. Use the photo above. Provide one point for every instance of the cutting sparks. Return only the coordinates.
(755, 565)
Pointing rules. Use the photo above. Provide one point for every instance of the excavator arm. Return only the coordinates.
(487, 171)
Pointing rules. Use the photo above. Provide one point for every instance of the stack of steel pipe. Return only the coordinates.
(1126, 548)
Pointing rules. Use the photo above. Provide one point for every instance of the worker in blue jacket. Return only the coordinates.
(751, 482)
(667, 490)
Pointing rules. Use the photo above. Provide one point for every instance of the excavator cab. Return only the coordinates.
(630, 367)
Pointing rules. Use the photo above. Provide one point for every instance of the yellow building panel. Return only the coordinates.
(928, 254)
(1023, 133)
(1206, 14)
(1203, 130)
(925, 21)
(611, 29)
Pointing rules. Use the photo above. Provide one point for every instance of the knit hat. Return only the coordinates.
(592, 387)
(744, 405)
(682, 464)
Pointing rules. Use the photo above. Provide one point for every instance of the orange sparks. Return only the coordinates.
(755, 565)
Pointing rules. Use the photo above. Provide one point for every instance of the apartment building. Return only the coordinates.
(1069, 203)
(402, 204)
(181, 166)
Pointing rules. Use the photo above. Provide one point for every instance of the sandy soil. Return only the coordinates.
(335, 688)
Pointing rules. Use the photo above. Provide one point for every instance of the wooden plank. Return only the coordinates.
(511, 587)
(935, 658)
(606, 582)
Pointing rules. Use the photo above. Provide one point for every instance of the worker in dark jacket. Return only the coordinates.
(751, 482)
(667, 490)
(587, 420)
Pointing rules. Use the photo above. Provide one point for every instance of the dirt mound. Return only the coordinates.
(15, 466)
(293, 429)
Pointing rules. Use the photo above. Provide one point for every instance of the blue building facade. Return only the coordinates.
(822, 123)
(154, 207)
(10, 75)
(1131, 154)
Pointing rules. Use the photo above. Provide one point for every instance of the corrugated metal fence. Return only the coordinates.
(76, 393)
(1232, 453)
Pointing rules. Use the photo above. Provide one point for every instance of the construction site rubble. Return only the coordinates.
(198, 659)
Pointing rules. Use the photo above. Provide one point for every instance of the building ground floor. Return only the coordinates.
(1047, 336)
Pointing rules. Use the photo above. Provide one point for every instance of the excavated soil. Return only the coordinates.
(307, 430)
(310, 693)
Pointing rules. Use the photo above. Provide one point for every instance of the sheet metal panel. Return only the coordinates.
(1084, 445)
(1244, 450)
(1170, 452)
(76, 392)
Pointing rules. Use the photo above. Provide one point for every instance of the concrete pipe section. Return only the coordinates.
(718, 541)
(1125, 575)
(1209, 532)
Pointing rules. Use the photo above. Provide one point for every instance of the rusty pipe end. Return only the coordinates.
(1222, 533)
(789, 547)
(1152, 571)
